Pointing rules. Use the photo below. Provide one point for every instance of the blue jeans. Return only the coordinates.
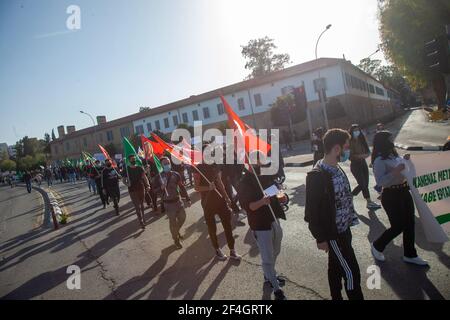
(28, 186)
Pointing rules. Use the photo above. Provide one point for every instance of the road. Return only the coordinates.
(120, 261)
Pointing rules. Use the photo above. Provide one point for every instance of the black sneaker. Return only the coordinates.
(281, 281)
(178, 244)
(279, 295)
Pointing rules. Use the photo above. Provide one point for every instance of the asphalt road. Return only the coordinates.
(119, 261)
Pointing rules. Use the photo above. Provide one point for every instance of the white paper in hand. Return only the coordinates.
(271, 191)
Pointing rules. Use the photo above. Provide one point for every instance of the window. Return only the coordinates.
(371, 88)
(185, 117)
(166, 123)
(157, 125)
(241, 104)
(258, 99)
(125, 132)
(220, 109)
(55, 148)
(175, 121)
(195, 115)
(149, 127)
(206, 112)
(287, 90)
(379, 91)
(348, 80)
(109, 136)
(85, 142)
(139, 129)
(67, 146)
(100, 137)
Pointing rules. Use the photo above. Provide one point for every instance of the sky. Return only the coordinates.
(133, 53)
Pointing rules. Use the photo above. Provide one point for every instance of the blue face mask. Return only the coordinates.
(356, 134)
(345, 156)
(167, 168)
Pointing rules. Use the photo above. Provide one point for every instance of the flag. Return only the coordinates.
(252, 142)
(128, 150)
(107, 156)
(171, 149)
(141, 153)
(88, 157)
(151, 147)
(157, 164)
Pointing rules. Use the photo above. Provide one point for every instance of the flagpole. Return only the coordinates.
(260, 186)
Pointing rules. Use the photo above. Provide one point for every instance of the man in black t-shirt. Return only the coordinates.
(137, 187)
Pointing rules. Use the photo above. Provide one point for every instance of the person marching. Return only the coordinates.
(317, 145)
(214, 200)
(94, 172)
(110, 185)
(138, 185)
(267, 232)
(359, 151)
(330, 213)
(171, 186)
(395, 198)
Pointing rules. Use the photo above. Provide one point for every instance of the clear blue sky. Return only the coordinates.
(147, 53)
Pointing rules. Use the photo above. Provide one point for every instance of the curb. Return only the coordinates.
(299, 164)
(417, 148)
(53, 211)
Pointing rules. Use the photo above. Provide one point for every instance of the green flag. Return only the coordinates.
(88, 157)
(157, 164)
(128, 150)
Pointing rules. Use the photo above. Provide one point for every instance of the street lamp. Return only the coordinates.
(320, 90)
(94, 138)
(317, 43)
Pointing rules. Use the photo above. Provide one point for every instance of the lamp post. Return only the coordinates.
(320, 91)
(95, 127)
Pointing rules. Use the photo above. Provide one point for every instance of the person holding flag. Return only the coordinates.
(110, 185)
(137, 181)
(171, 187)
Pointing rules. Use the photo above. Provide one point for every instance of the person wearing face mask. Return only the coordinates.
(359, 151)
(171, 186)
(395, 198)
(138, 185)
(329, 212)
(267, 232)
(94, 172)
(110, 185)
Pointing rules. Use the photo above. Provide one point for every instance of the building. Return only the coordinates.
(351, 96)
(363, 99)
(70, 145)
(12, 151)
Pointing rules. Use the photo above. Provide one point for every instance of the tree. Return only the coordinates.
(284, 109)
(405, 27)
(53, 135)
(7, 165)
(390, 76)
(142, 109)
(46, 143)
(260, 57)
(4, 156)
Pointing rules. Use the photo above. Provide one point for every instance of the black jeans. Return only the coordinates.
(225, 218)
(399, 207)
(360, 171)
(342, 263)
(103, 196)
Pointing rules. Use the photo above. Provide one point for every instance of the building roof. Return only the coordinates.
(243, 85)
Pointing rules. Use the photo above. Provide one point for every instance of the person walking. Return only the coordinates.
(317, 145)
(215, 201)
(48, 177)
(329, 212)
(171, 186)
(110, 185)
(138, 185)
(395, 198)
(359, 151)
(27, 178)
(267, 232)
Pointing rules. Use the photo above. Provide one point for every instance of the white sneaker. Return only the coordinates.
(377, 254)
(373, 205)
(417, 261)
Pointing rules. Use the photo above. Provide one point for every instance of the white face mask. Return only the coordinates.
(356, 133)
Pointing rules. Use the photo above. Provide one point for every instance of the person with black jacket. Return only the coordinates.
(330, 213)
(267, 232)
(110, 184)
